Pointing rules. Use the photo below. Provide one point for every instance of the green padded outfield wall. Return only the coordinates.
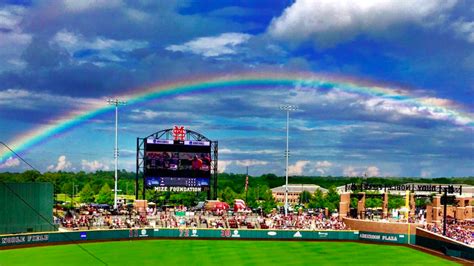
(15, 214)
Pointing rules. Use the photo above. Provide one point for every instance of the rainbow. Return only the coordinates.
(445, 109)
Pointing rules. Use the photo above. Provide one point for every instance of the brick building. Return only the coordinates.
(294, 192)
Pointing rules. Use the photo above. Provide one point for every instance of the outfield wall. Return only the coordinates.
(380, 226)
(18, 240)
(26, 207)
(443, 244)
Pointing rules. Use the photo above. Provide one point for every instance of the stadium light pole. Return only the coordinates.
(288, 109)
(116, 102)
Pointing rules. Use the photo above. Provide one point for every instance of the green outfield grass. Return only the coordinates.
(221, 253)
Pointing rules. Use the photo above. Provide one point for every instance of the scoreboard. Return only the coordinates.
(177, 165)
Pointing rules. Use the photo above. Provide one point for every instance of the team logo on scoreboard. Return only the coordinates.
(179, 133)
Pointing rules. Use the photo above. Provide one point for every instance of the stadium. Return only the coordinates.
(187, 132)
(179, 160)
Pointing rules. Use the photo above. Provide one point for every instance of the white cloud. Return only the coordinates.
(147, 114)
(426, 173)
(238, 151)
(13, 40)
(224, 44)
(328, 21)
(322, 166)
(372, 171)
(137, 15)
(92, 166)
(143, 114)
(83, 5)
(9, 163)
(250, 162)
(350, 171)
(308, 96)
(222, 165)
(297, 168)
(107, 49)
(464, 30)
(62, 165)
(28, 100)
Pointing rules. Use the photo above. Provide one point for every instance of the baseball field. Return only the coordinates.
(212, 252)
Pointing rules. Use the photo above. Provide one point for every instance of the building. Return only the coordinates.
(419, 189)
(294, 192)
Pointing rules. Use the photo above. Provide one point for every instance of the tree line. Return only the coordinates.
(96, 187)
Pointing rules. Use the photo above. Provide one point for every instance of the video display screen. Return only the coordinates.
(171, 163)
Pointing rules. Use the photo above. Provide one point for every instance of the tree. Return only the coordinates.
(332, 199)
(87, 194)
(268, 203)
(395, 202)
(105, 195)
(66, 188)
(29, 176)
(305, 197)
(318, 200)
(228, 195)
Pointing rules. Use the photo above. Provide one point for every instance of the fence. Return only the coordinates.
(157, 233)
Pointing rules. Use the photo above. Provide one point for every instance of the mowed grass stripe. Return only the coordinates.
(213, 252)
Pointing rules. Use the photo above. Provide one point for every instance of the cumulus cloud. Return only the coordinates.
(9, 163)
(83, 5)
(297, 168)
(92, 166)
(224, 44)
(350, 171)
(13, 39)
(250, 162)
(222, 165)
(322, 166)
(98, 49)
(139, 115)
(239, 151)
(26, 99)
(464, 30)
(309, 96)
(426, 173)
(370, 171)
(149, 114)
(62, 165)
(328, 21)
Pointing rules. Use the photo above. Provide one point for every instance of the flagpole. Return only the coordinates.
(246, 185)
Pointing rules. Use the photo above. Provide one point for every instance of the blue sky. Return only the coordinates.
(63, 55)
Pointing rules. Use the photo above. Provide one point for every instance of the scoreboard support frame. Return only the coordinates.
(167, 134)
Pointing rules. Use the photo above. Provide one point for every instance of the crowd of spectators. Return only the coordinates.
(95, 218)
(301, 221)
(459, 231)
(92, 218)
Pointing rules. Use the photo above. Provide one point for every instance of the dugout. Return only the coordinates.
(26, 207)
